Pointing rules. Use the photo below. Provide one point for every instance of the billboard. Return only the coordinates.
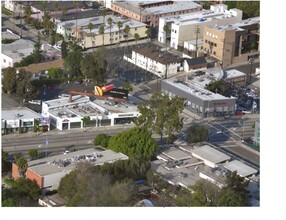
(117, 93)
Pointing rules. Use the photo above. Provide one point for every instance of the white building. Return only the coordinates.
(14, 6)
(183, 27)
(22, 120)
(14, 52)
(68, 115)
(160, 63)
(92, 38)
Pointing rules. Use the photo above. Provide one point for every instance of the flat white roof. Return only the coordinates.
(196, 88)
(208, 153)
(234, 73)
(77, 99)
(241, 168)
(98, 21)
(19, 48)
(50, 165)
(19, 113)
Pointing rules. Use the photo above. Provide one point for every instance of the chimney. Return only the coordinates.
(70, 98)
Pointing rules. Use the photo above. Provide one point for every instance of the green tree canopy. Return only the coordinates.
(219, 86)
(93, 66)
(162, 115)
(33, 153)
(228, 197)
(72, 61)
(197, 133)
(102, 140)
(22, 165)
(9, 80)
(135, 143)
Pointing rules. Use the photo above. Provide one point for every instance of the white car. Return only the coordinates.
(35, 102)
(63, 96)
(66, 152)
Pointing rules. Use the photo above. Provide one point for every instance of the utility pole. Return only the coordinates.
(197, 31)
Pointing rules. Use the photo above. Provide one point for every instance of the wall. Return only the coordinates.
(52, 181)
(34, 176)
(6, 61)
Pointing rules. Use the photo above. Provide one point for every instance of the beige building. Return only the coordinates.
(233, 43)
(149, 12)
(87, 38)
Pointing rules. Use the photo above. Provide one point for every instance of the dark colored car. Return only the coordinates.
(239, 113)
(23, 27)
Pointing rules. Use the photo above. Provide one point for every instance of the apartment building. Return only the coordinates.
(189, 27)
(233, 43)
(149, 12)
(88, 38)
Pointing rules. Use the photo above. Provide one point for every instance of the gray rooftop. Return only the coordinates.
(175, 153)
(19, 48)
(56, 103)
(98, 21)
(19, 113)
(50, 165)
(241, 168)
(177, 6)
(208, 153)
(195, 87)
(234, 73)
(9, 35)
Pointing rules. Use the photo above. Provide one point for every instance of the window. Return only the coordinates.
(4, 60)
(135, 29)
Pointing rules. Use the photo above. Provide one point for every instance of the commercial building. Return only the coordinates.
(149, 12)
(64, 114)
(88, 38)
(48, 171)
(22, 120)
(256, 138)
(188, 27)
(233, 43)
(185, 165)
(198, 100)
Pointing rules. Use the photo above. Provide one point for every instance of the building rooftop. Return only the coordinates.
(208, 153)
(233, 74)
(19, 113)
(57, 103)
(67, 162)
(53, 200)
(195, 86)
(9, 35)
(98, 21)
(241, 168)
(19, 48)
(196, 61)
(200, 17)
(39, 67)
(109, 105)
(176, 6)
(62, 4)
(238, 25)
(163, 57)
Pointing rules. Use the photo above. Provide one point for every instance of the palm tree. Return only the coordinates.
(166, 29)
(56, 5)
(64, 11)
(75, 3)
(126, 31)
(103, 14)
(50, 26)
(90, 27)
(136, 37)
(109, 20)
(101, 32)
(119, 25)
(28, 13)
(148, 32)
(22, 165)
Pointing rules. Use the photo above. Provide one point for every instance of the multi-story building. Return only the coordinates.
(88, 38)
(233, 43)
(149, 12)
(188, 27)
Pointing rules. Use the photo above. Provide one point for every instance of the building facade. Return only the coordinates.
(88, 38)
(189, 27)
(65, 115)
(23, 120)
(149, 12)
(233, 43)
(199, 100)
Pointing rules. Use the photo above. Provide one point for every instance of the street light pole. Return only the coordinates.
(250, 61)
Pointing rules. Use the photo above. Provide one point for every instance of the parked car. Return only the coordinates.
(23, 27)
(63, 96)
(66, 152)
(239, 113)
(35, 102)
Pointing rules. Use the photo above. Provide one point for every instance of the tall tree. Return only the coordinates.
(227, 197)
(135, 143)
(33, 153)
(197, 133)
(28, 13)
(136, 37)
(126, 32)
(162, 115)
(237, 184)
(90, 27)
(101, 32)
(76, 4)
(72, 61)
(109, 21)
(103, 14)
(64, 49)
(148, 32)
(119, 25)
(166, 29)
(22, 165)
(9, 80)
(56, 5)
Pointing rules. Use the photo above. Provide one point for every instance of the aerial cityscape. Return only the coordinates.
(110, 103)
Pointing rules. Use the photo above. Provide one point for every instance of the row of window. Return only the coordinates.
(210, 43)
(5, 61)
(211, 35)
